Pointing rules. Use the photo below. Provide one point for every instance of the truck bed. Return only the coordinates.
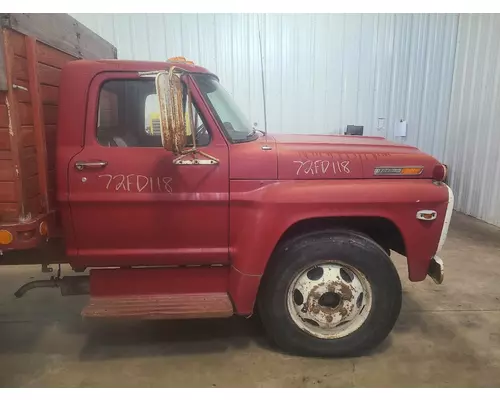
(33, 50)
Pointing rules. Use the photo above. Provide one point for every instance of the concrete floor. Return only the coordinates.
(447, 335)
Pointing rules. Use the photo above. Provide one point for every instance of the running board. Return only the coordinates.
(161, 306)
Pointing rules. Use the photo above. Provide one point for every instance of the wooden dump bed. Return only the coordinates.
(33, 50)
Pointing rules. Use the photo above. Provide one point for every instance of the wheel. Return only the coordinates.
(330, 293)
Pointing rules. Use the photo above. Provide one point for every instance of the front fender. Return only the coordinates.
(261, 211)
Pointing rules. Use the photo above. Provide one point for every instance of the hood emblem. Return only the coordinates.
(405, 171)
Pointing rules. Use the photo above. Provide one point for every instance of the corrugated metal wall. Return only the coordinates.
(473, 137)
(322, 71)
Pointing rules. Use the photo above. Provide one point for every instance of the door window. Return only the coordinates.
(129, 116)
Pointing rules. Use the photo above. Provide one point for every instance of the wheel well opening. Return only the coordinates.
(381, 230)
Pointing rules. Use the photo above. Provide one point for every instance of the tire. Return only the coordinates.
(341, 255)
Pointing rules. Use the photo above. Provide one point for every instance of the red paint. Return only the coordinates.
(162, 198)
(344, 157)
(150, 281)
(249, 161)
(243, 289)
(270, 209)
(233, 213)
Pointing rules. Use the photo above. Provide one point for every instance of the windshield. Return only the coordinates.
(234, 122)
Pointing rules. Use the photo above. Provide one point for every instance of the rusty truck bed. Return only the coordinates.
(33, 50)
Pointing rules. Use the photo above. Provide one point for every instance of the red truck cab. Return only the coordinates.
(297, 227)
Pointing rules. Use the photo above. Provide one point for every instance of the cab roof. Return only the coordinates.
(97, 66)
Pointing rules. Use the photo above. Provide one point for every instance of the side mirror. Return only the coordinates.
(174, 112)
(176, 119)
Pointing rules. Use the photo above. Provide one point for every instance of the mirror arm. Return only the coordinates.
(195, 161)
(190, 113)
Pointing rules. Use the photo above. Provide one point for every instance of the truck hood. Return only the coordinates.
(345, 157)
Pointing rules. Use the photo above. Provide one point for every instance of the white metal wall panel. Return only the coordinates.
(322, 71)
(472, 142)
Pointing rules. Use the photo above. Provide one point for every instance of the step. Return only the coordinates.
(161, 306)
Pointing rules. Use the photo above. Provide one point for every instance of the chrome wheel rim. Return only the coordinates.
(329, 300)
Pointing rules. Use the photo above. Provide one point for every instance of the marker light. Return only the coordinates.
(5, 237)
(440, 172)
(43, 228)
(181, 60)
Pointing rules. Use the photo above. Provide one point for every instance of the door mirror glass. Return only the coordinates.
(174, 113)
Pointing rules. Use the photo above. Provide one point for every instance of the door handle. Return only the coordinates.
(80, 165)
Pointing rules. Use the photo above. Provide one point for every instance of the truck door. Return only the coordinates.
(130, 204)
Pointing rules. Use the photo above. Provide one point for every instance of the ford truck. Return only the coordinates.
(146, 178)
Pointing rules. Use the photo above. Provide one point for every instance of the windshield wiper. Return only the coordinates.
(252, 133)
(255, 132)
(251, 136)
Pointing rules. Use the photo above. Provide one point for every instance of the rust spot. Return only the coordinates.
(315, 293)
(343, 289)
(11, 130)
(343, 311)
